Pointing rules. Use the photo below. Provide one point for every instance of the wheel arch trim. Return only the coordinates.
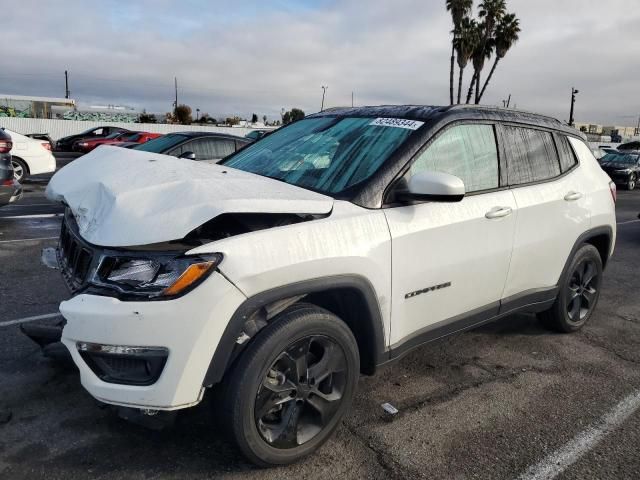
(223, 355)
(604, 230)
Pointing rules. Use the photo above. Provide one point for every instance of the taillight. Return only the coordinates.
(7, 183)
(46, 145)
(614, 192)
(5, 146)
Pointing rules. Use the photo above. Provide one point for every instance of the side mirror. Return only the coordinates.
(188, 155)
(435, 187)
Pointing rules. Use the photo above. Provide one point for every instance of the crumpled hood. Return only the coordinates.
(123, 197)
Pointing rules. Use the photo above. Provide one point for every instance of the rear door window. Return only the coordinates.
(222, 148)
(208, 148)
(531, 155)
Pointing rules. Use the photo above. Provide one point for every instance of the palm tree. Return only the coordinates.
(505, 37)
(482, 52)
(477, 55)
(459, 9)
(492, 12)
(465, 43)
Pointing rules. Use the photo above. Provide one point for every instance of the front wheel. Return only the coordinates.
(292, 387)
(579, 292)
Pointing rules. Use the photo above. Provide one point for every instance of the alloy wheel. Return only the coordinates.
(583, 291)
(631, 184)
(301, 392)
(18, 171)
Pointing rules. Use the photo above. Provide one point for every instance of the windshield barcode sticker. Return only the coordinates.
(398, 123)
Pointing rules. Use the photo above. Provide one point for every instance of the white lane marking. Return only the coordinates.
(554, 464)
(29, 319)
(29, 239)
(44, 215)
(628, 221)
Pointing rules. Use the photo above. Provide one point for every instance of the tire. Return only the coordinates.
(631, 182)
(20, 169)
(579, 292)
(258, 418)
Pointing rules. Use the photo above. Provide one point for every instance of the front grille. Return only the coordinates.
(75, 256)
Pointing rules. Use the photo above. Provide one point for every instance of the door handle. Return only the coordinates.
(498, 212)
(572, 196)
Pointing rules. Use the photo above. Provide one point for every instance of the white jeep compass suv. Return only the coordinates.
(334, 245)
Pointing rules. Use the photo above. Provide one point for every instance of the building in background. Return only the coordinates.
(21, 106)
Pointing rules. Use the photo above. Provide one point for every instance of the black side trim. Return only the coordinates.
(442, 329)
(224, 352)
(528, 300)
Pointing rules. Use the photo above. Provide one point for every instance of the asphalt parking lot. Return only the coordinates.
(507, 401)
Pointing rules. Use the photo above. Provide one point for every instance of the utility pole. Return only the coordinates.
(574, 92)
(175, 82)
(637, 132)
(324, 90)
(351, 99)
(66, 85)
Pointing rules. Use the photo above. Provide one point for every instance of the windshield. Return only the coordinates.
(326, 154)
(161, 144)
(131, 137)
(626, 159)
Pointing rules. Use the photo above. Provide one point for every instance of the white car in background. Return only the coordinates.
(30, 157)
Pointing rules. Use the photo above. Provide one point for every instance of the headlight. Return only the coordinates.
(83, 144)
(624, 170)
(154, 275)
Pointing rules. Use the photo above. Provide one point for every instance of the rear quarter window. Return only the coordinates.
(581, 149)
(531, 155)
(567, 156)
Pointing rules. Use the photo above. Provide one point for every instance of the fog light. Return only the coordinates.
(124, 365)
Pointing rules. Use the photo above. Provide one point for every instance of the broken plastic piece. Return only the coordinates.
(49, 258)
(390, 409)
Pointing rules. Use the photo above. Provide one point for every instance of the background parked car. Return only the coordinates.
(202, 146)
(135, 139)
(119, 138)
(256, 135)
(10, 189)
(66, 143)
(635, 145)
(85, 145)
(30, 157)
(623, 168)
(42, 136)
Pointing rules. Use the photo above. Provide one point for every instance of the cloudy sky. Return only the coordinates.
(259, 56)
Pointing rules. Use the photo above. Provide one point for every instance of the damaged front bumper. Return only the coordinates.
(165, 347)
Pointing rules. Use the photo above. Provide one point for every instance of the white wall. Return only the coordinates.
(61, 128)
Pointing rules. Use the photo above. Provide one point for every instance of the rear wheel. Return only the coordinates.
(20, 169)
(579, 292)
(631, 182)
(292, 387)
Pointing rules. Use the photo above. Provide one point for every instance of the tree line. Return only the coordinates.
(182, 114)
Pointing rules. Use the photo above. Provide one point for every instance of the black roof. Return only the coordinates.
(433, 114)
(194, 134)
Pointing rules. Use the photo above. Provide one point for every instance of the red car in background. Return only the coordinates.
(135, 139)
(86, 145)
